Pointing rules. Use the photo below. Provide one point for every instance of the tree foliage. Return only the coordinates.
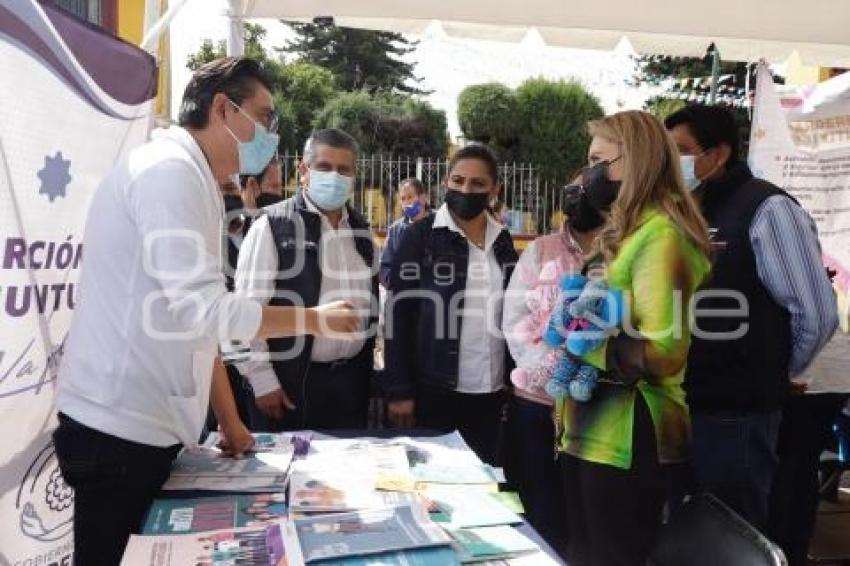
(554, 116)
(387, 124)
(359, 59)
(489, 113)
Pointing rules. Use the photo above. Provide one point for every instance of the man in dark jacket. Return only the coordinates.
(765, 312)
(312, 249)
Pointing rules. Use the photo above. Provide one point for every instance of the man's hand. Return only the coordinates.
(236, 439)
(400, 413)
(338, 319)
(275, 404)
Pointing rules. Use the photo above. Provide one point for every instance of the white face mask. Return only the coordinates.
(329, 190)
(689, 173)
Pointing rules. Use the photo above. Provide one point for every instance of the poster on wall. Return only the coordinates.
(74, 101)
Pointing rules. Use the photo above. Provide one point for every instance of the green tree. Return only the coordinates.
(387, 124)
(554, 116)
(304, 90)
(254, 36)
(360, 59)
(489, 113)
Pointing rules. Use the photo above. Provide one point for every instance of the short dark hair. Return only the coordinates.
(331, 137)
(415, 184)
(710, 126)
(235, 77)
(243, 179)
(480, 152)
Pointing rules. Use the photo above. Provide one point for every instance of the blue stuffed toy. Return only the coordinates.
(587, 313)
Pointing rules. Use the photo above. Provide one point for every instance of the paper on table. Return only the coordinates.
(483, 543)
(470, 508)
(263, 442)
(313, 491)
(182, 516)
(226, 546)
(247, 484)
(207, 469)
(368, 532)
(457, 473)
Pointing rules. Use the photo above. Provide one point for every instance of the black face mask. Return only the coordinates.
(581, 215)
(267, 199)
(232, 202)
(600, 190)
(466, 205)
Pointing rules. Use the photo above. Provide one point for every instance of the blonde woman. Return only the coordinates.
(653, 248)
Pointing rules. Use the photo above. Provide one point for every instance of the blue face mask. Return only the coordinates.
(328, 189)
(255, 154)
(411, 211)
(689, 173)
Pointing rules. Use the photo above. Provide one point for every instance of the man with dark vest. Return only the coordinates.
(763, 315)
(307, 250)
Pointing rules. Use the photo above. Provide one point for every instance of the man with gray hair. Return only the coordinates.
(308, 250)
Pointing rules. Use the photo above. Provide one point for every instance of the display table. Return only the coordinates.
(419, 434)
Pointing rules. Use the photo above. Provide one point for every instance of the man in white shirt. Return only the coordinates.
(307, 250)
(137, 374)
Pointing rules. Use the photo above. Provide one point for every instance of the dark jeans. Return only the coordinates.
(478, 417)
(114, 482)
(613, 515)
(734, 458)
(531, 467)
(805, 432)
(334, 396)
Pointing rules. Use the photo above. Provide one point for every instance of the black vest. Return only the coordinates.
(748, 373)
(297, 233)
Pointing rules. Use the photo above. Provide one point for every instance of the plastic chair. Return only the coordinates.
(705, 532)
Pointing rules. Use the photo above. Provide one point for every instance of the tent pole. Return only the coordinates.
(236, 32)
(151, 39)
(715, 74)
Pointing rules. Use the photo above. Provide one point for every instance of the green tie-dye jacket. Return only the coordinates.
(658, 270)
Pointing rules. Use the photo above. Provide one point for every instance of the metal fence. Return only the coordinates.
(529, 204)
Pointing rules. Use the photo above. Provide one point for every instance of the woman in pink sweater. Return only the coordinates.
(529, 300)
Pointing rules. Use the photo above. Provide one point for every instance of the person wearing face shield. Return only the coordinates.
(307, 250)
(140, 364)
(530, 298)
(446, 360)
(767, 253)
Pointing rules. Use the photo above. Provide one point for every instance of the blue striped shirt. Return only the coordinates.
(788, 259)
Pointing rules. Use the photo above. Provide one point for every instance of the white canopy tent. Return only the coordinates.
(742, 30)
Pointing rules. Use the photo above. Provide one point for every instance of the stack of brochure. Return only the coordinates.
(182, 516)
(363, 533)
(251, 546)
(208, 469)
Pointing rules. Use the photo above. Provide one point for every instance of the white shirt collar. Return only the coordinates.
(444, 219)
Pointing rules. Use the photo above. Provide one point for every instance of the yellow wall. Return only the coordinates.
(131, 25)
(798, 74)
(131, 20)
